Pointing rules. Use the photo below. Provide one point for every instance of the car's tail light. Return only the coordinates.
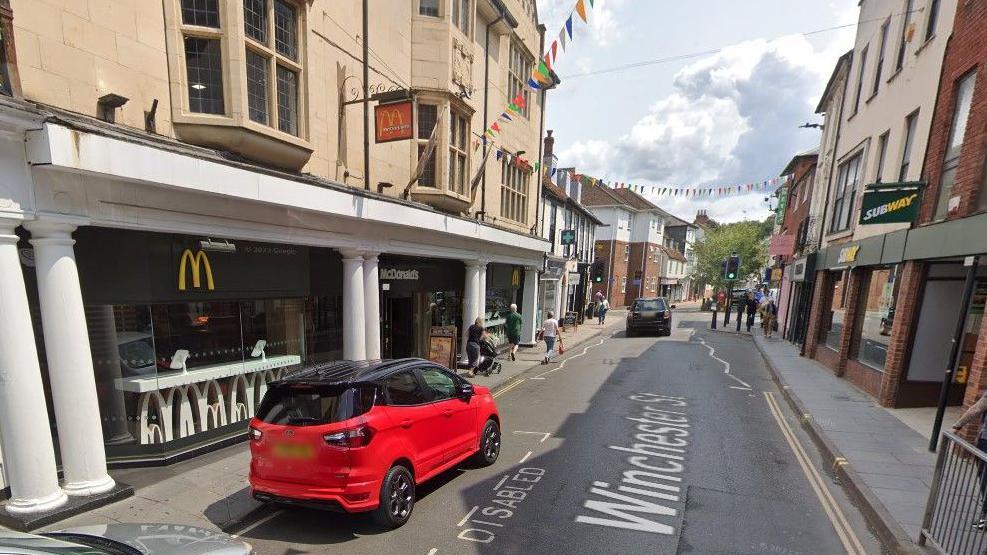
(357, 437)
(255, 434)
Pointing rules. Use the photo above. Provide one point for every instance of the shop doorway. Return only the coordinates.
(399, 324)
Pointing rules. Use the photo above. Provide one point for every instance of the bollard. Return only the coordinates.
(713, 326)
(740, 316)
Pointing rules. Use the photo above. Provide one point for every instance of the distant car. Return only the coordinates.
(650, 314)
(124, 539)
(360, 436)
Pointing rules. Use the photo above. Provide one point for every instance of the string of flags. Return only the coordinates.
(541, 75)
(690, 192)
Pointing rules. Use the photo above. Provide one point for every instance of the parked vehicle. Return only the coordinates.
(124, 539)
(360, 436)
(649, 314)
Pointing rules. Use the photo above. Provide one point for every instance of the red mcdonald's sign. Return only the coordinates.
(394, 122)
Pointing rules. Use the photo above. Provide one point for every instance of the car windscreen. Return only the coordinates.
(313, 405)
(650, 305)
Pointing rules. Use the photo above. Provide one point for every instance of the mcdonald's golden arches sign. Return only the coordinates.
(394, 122)
(197, 264)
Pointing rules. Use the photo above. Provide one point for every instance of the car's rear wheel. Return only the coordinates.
(489, 444)
(397, 498)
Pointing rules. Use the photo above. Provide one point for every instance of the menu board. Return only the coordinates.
(442, 346)
(570, 320)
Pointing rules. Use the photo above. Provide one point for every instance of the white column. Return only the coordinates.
(354, 321)
(28, 452)
(70, 361)
(482, 291)
(471, 297)
(530, 308)
(371, 304)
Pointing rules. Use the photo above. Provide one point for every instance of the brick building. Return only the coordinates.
(789, 239)
(630, 245)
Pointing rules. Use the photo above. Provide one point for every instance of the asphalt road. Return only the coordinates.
(678, 444)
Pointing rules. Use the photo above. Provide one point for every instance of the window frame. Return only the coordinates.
(461, 16)
(932, 20)
(456, 382)
(623, 284)
(421, 142)
(514, 186)
(911, 122)
(438, 9)
(903, 40)
(218, 34)
(860, 79)
(382, 385)
(270, 51)
(520, 64)
(459, 152)
(882, 154)
(879, 69)
(955, 140)
(844, 198)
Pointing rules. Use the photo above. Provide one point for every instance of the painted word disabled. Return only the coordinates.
(656, 457)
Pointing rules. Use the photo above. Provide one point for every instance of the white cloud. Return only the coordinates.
(601, 20)
(731, 118)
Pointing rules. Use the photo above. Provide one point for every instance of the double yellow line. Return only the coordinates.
(840, 523)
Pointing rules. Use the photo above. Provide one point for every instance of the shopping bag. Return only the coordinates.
(561, 346)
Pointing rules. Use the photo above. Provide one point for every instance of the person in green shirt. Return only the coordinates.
(514, 330)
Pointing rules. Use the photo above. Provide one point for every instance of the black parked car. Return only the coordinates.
(650, 314)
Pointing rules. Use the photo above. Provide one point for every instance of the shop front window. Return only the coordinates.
(876, 314)
(832, 328)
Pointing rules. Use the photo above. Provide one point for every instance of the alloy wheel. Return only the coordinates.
(402, 495)
(491, 443)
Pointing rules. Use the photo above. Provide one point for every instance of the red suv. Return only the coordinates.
(359, 436)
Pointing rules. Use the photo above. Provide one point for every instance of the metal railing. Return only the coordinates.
(957, 499)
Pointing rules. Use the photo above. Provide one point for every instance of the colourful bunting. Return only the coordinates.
(506, 117)
(581, 10)
(495, 127)
(568, 26)
(562, 39)
(555, 50)
(534, 84)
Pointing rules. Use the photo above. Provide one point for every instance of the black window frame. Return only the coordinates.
(903, 42)
(457, 381)
(382, 384)
(860, 79)
(879, 69)
(932, 20)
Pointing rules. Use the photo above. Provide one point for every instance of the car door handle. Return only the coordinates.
(406, 423)
(447, 413)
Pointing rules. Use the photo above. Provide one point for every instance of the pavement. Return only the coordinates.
(882, 460)
(675, 444)
(211, 490)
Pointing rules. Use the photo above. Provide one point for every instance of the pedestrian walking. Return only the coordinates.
(978, 411)
(474, 335)
(513, 330)
(751, 306)
(601, 310)
(769, 311)
(551, 333)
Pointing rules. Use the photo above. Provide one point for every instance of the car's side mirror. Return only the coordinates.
(465, 390)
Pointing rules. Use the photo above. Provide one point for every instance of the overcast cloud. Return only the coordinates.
(729, 118)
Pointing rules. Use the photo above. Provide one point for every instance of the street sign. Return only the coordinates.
(393, 122)
(782, 206)
(892, 203)
(568, 237)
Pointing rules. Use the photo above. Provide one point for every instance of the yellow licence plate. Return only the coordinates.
(294, 451)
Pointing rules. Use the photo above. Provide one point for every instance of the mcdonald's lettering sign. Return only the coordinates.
(197, 263)
(394, 122)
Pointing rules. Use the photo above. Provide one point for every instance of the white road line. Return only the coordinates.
(525, 457)
(712, 354)
(432, 551)
(562, 364)
(467, 517)
(538, 378)
(740, 381)
(740, 388)
(836, 517)
(545, 435)
(257, 523)
(501, 482)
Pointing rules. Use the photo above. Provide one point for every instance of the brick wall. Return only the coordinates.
(858, 276)
(819, 304)
(648, 269)
(977, 380)
(964, 53)
(906, 313)
(619, 271)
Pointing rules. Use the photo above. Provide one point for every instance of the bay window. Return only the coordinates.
(271, 64)
(458, 158)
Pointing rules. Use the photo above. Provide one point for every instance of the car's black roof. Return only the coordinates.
(649, 299)
(342, 372)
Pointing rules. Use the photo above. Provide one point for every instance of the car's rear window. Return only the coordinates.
(650, 304)
(312, 405)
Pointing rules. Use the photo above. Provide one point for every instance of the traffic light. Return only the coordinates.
(598, 271)
(732, 267)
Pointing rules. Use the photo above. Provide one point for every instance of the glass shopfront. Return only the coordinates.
(876, 314)
(832, 325)
(417, 294)
(187, 332)
(504, 287)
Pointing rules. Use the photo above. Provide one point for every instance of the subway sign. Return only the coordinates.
(891, 203)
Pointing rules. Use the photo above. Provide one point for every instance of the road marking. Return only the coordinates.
(740, 381)
(545, 435)
(836, 517)
(562, 364)
(501, 482)
(467, 517)
(508, 388)
(712, 354)
(524, 458)
(257, 523)
(740, 388)
(433, 551)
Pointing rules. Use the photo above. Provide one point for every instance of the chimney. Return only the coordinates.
(549, 150)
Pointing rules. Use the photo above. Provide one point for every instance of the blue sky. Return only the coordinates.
(726, 118)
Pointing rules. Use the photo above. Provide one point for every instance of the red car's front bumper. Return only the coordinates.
(352, 498)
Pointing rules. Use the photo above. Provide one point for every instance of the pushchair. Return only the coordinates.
(488, 358)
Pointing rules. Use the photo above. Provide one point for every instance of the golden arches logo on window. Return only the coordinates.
(198, 263)
(516, 277)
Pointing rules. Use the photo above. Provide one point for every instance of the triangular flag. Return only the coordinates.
(513, 108)
(506, 117)
(543, 69)
(499, 153)
(533, 84)
(568, 26)
(591, 3)
(519, 100)
(555, 49)
(548, 63)
(562, 39)
(581, 10)
(495, 126)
